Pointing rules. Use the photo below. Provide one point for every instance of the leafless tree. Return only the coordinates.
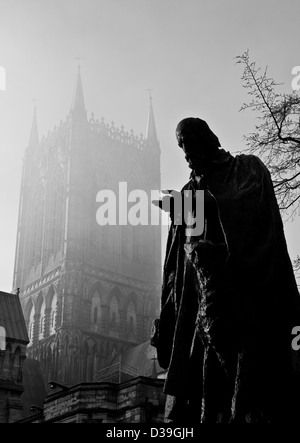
(276, 139)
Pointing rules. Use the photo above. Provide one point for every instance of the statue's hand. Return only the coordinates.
(167, 201)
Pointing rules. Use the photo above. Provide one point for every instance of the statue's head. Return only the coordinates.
(197, 140)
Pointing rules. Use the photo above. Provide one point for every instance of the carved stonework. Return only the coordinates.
(98, 155)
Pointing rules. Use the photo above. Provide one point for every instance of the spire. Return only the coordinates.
(151, 135)
(78, 107)
(34, 135)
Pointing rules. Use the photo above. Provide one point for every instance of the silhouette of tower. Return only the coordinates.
(87, 291)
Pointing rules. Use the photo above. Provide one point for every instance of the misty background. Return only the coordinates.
(184, 50)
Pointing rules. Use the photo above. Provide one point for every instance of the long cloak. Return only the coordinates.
(242, 368)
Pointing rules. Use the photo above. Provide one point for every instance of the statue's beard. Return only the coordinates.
(198, 163)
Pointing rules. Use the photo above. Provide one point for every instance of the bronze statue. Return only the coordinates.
(229, 296)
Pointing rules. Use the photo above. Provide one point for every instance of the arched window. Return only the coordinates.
(2, 339)
(53, 314)
(96, 309)
(131, 319)
(42, 321)
(31, 325)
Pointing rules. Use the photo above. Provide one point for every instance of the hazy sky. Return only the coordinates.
(183, 49)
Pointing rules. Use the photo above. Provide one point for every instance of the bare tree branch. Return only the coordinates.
(276, 138)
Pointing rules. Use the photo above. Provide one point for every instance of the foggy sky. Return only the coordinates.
(183, 49)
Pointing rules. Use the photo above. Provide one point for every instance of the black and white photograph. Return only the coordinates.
(150, 223)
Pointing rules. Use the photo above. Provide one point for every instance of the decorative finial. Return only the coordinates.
(78, 62)
(150, 93)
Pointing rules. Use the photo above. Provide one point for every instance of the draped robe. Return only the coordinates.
(225, 324)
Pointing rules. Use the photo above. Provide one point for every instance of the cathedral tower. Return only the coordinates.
(88, 292)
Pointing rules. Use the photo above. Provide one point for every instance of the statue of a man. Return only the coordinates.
(229, 297)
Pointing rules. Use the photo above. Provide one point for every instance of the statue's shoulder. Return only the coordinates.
(251, 163)
(249, 159)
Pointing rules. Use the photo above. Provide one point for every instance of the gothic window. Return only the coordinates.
(96, 309)
(131, 319)
(31, 325)
(2, 339)
(53, 314)
(42, 321)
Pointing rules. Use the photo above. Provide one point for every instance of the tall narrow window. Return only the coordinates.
(2, 339)
(131, 319)
(42, 321)
(31, 325)
(53, 314)
(96, 309)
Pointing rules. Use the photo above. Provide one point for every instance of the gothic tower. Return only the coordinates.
(88, 291)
